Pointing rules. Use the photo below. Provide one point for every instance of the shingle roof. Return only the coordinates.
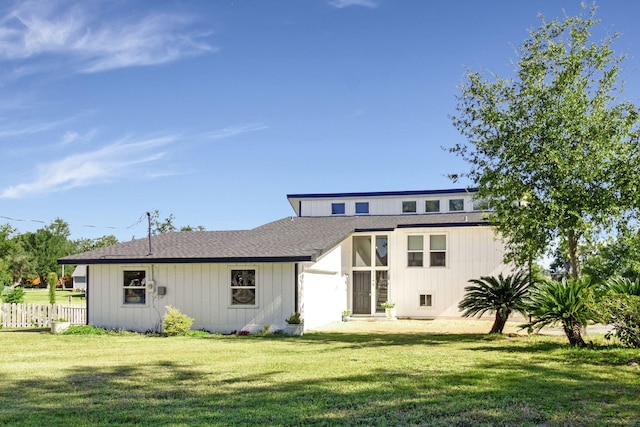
(288, 239)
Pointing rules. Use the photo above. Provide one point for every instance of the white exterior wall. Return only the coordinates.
(201, 291)
(388, 205)
(324, 288)
(472, 252)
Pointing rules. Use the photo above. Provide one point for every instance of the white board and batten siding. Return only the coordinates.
(381, 205)
(324, 288)
(200, 290)
(471, 252)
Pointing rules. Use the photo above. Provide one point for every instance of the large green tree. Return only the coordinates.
(46, 245)
(167, 225)
(7, 249)
(614, 256)
(85, 244)
(553, 148)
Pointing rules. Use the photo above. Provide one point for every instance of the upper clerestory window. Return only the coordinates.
(456, 205)
(432, 206)
(409, 207)
(362, 208)
(337, 209)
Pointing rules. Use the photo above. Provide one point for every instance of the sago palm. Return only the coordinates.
(501, 295)
(567, 303)
(623, 285)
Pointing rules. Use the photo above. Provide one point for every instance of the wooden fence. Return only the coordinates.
(40, 315)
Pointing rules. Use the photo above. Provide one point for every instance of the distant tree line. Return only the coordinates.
(28, 258)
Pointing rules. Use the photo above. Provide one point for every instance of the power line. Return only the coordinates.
(142, 216)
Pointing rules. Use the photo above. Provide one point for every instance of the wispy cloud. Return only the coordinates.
(231, 131)
(113, 161)
(22, 129)
(39, 29)
(340, 4)
(71, 137)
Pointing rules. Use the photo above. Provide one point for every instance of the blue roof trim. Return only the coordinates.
(446, 224)
(381, 193)
(151, 260)
(372, 230)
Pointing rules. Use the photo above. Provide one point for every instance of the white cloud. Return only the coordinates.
(22, 129)
(347, 3)
(69, 137)
(114, 161)
(39, 29)
(231, 131)
(74, 137)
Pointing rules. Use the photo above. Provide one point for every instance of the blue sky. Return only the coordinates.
(214, 111)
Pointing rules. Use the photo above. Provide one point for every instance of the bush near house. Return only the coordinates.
(175, 323)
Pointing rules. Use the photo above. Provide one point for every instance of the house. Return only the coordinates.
(347, 251)
(79, 277)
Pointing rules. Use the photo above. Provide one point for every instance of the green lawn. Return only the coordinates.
(317, 379)
(41, 296)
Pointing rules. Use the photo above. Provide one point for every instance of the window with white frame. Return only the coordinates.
(361, 251)
(362, 208)
(243, 287)
(337, 209)
(426, 300)
(409, 206)
(134, 286)
(456, 205)
(432, 206)
(415, 251)
(437, 250)
(481, 205)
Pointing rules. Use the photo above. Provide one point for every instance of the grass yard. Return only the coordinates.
(41, 296)
(322, 378)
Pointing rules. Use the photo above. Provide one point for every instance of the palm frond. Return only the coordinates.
(554, 302)
(490, 294)
(623, 285)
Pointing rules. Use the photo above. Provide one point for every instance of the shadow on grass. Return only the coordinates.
(510, 390)
(21, 330)
(391, 339)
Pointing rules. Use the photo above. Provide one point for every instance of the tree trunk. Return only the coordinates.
(573, 253)
(498, 323)
(574, 334)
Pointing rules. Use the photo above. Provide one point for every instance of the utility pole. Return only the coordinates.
(149, 222)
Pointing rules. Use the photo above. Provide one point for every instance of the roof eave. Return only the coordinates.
(160, 260)
(447, 224)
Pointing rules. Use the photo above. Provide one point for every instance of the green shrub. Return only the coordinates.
(500, 294)
(13, 296)
(175, 323)
(85, 330)
(294, 319)
(52, 280)
(623, 285)
(623, 313)
(569, 303)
